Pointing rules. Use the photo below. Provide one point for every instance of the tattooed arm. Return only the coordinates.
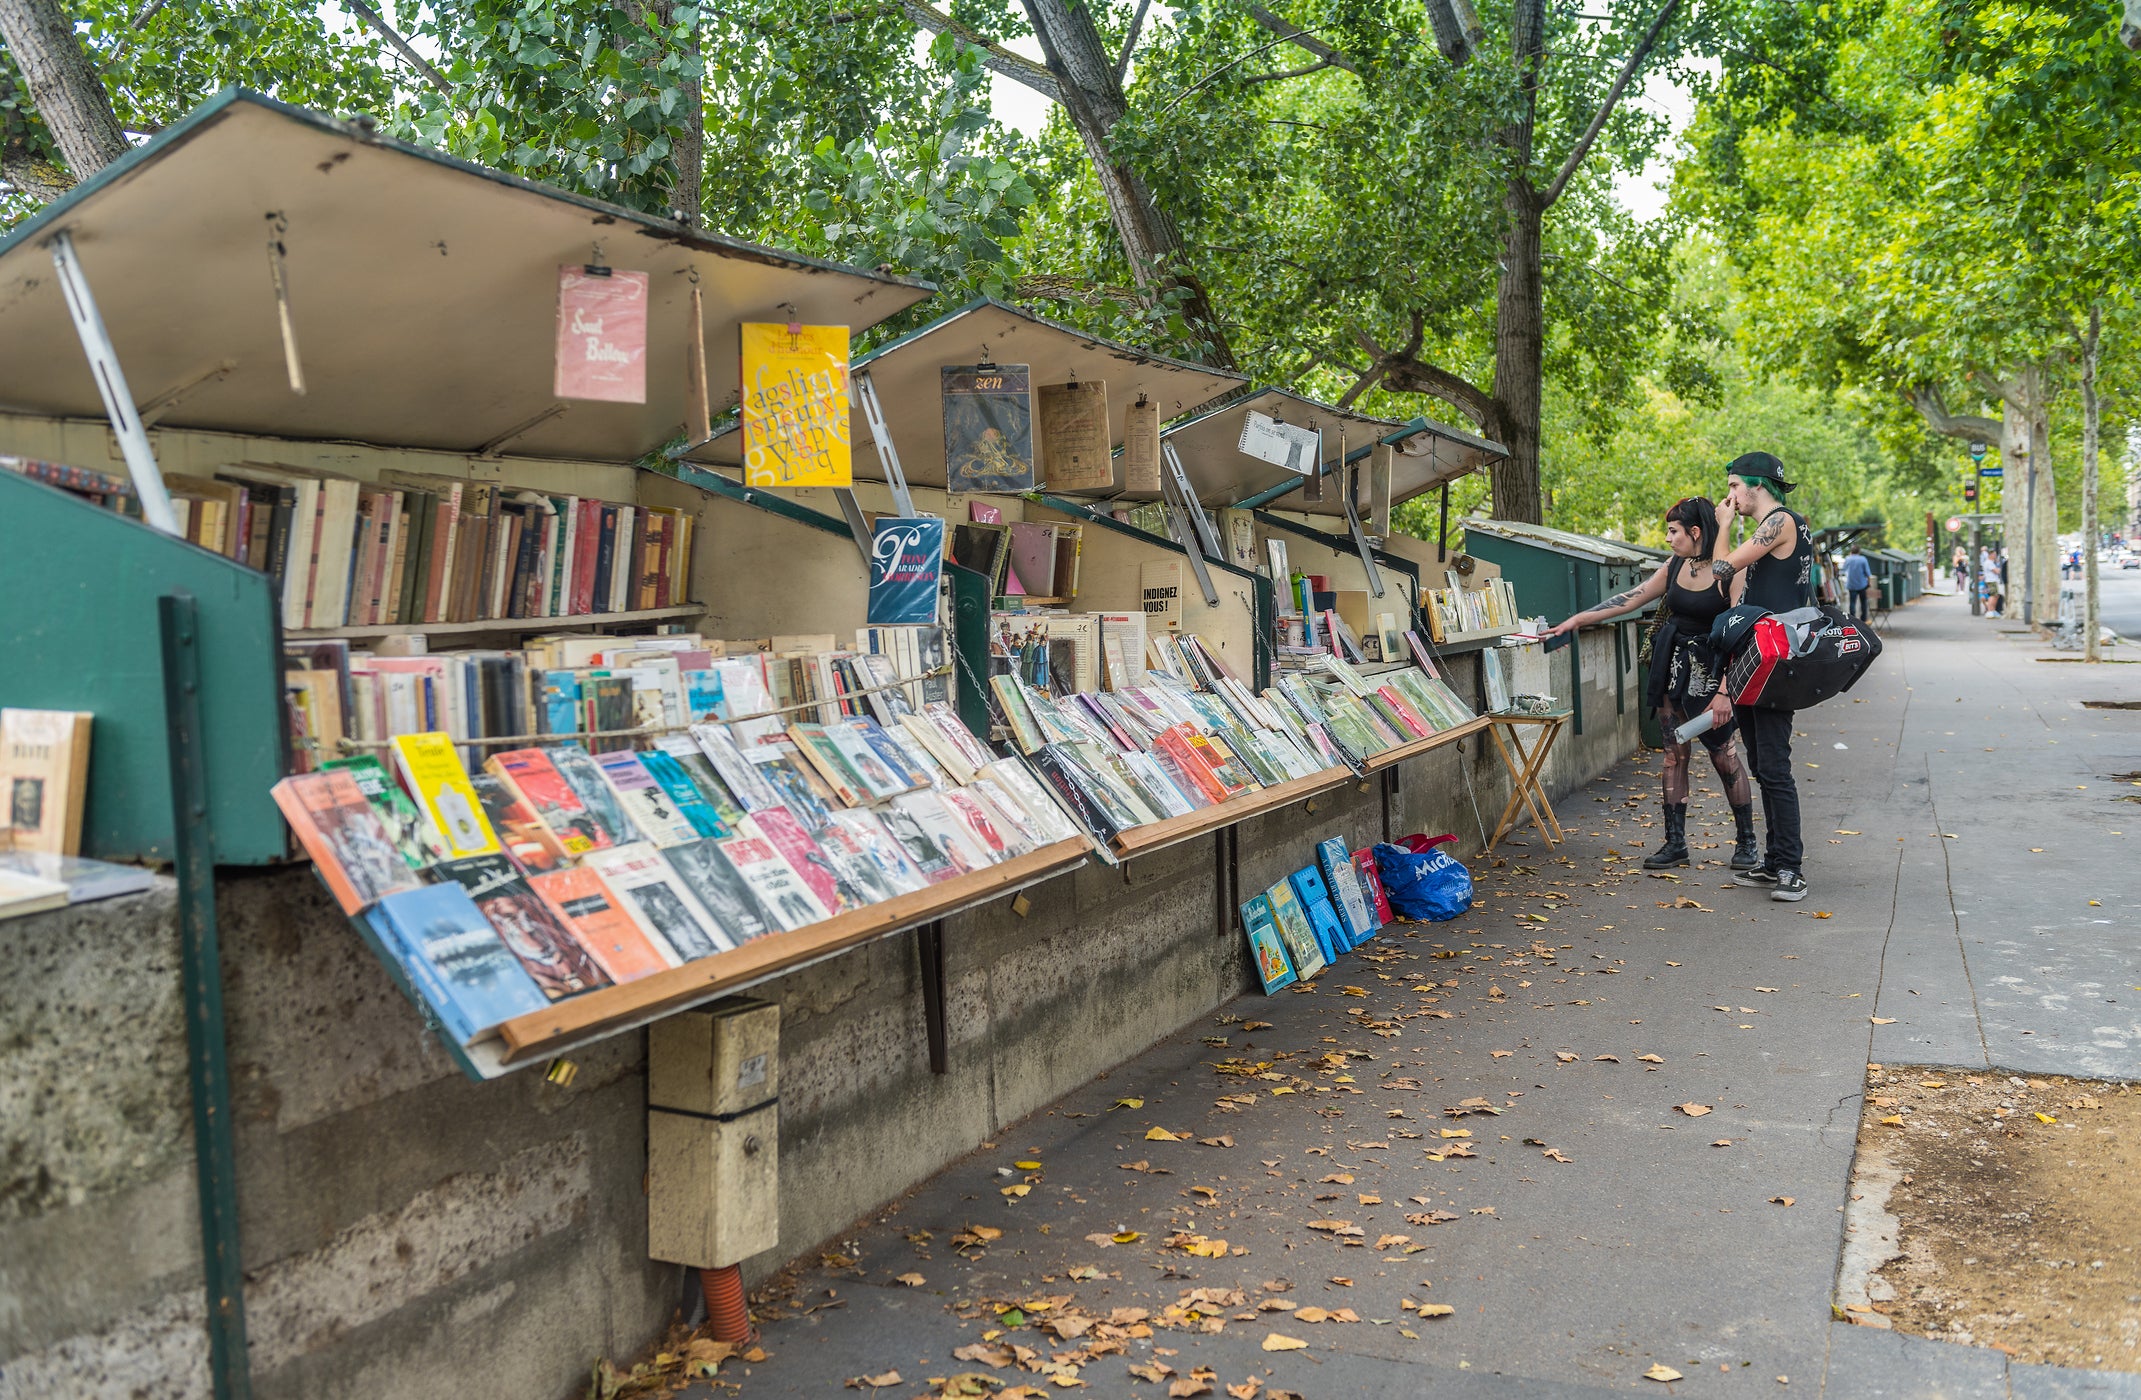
(1777, 536)
(1624, 602)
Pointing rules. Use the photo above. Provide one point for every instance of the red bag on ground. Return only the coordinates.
(1420, 845)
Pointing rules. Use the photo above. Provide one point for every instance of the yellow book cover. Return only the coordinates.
(432, 771)
(795, 405)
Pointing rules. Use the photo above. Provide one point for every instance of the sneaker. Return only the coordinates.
(1791, 886)
(1759, 878)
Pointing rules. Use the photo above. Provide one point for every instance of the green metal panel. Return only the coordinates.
(1545, 582)
(81, 632)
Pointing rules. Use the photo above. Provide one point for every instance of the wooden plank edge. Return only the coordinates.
(498, 624)
(1389, 757)
(592, 1012)
(1140, 840)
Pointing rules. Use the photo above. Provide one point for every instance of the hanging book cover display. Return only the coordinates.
(988, 428)
(1074, 436)
(906, 560)
(1281, 444)
(1141, 446)
(602, 334)
(795, 405)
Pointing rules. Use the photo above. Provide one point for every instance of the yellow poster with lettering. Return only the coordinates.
(795, 405)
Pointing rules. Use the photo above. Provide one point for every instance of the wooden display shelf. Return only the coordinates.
(499, 624)
(592, 1015)
(1482, 634)
(1391, 757)
(1153, 836)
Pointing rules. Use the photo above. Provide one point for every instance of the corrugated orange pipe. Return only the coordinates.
(726, 1310)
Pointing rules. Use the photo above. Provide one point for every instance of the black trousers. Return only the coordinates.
(1858, 603)
(1768, 734)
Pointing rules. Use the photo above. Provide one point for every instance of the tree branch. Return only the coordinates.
(400, 45)
(1612, 99)
(1411, 376)
(1362, 385)
(1189, 91)
(1299, 37)
(994, 57)
(1317, 67)
(1137, 22)
(1933, 408)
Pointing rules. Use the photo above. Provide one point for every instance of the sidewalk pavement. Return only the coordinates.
(1971, 906)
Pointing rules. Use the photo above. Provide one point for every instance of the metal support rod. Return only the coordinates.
(1226, 854)
(1207, 537)
(1389, 787)
(1360, 538)
(201, 978)
(1174, 488)
(111, 383)
(888, 455)
(1442, 545)
(858, 524)
(930, 944)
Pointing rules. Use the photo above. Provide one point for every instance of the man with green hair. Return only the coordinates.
(1774, 571)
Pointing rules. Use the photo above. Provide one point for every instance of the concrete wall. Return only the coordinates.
(391, 1210)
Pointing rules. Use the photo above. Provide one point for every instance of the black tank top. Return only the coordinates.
(1780, 585)
(1698, 607)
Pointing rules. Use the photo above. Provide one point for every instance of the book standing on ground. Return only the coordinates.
(1302, 946)
(1266, 949)
(44, 775)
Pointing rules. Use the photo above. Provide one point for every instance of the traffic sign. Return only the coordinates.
(1992, 471)
(1955, 524)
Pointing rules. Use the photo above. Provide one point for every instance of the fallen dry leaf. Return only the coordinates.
(1278, 1341)
(1436, 1310)
(1659, 1371)
(913, 1280)
(1783, 1200)
(1183, 1386)
(1692, 1110)
(1652, 1059)
(1221, 1141)
(1129, 1103)
(1015, 1192)
(1565, 1057)
(874, 1382)
(1247, 1390)
(1823, 914)
(1157, 1134)
(1882, 1020)
(1722, 1142)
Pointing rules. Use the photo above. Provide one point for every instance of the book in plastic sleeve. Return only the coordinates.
(584, 776)
(456, 961)
(1347, 897)
(644, 885)
(800, 850)
(721, 890)
(431, 770)
(350, 847)
(407, 828)
(1266, 948)
(530, 928)
(773, 880)
(1302, 945)
(619, 945)
(690, 802)
(653, 813)
(552, 802)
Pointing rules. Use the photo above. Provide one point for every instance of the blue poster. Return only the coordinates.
(906, 558)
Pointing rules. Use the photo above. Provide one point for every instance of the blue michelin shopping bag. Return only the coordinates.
(1426, 882)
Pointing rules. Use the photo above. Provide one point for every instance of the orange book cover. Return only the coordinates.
(610, 935)
(1177, 741)
(348, 843)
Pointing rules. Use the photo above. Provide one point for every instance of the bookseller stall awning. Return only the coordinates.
(1221, 474)
(907, 376)
(1429, 454)
(421, 292)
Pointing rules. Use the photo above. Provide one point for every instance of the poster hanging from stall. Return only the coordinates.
(988, 428)
(1075, 444)
(795, 405)
(1141, 446)
(602, 335)
(1281, 444)
(906, 559)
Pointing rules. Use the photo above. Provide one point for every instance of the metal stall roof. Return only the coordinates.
(422, 289)
(1590, 547)
(1223, 475)
(985, 331)
(1429, 454)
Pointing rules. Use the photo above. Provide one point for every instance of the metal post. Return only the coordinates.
(1207, 537)
(1442, 543)
(1360, 539)
(888, 455)
(1977, 606)
(111, 383)
(930, 944)
(201, 976)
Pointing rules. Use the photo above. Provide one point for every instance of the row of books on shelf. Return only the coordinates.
(1308, 920)
(413, 549)
(1456, 610)
(1307, 634)
(597, 685)
(551, 870)
(1198, 737)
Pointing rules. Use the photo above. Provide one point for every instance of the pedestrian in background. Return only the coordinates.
(1858, 577)
(1774, 571)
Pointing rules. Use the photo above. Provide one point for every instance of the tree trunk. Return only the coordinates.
(2091, 345)
(1092, 97)
(2014, 488)
(63, 84)
(1519, 352)
(2040, 552)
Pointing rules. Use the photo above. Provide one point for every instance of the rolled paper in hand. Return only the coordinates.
(1701, 724)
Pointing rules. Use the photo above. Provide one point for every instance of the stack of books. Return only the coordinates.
(550, 869)
(1456, 610)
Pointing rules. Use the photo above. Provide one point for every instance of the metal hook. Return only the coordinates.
(597, 267)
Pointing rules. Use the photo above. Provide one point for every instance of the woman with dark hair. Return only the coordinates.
(1684, 675)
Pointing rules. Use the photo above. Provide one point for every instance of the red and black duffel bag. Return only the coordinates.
(1794, 660)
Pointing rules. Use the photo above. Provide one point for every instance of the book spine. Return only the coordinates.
(605, 552)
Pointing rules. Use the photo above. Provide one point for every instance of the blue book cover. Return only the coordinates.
(1347, 897)
(456, 960)
(1302, 946)
(1308, 884)
(705, 695)
(691, 804)
(1326, 924)
(1266, 947)
(561, 702)
(906, 559)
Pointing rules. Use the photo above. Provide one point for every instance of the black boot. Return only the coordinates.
(1744, 854)
(1675, 849)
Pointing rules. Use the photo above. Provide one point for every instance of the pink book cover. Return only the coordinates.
(787, 836)
(602, 335)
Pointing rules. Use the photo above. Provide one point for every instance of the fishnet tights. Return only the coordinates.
(1724, 757)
